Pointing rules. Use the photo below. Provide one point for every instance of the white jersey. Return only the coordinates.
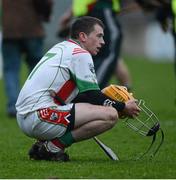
(66, 69)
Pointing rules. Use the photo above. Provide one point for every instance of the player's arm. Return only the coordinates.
(96, 97)
(91, 92)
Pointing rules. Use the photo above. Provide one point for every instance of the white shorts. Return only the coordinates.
(46, 123)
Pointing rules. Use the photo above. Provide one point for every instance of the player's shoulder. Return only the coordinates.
(81, 54)
(77, 50)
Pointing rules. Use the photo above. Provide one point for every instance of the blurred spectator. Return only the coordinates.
(107, 60)
(165, 11)
(23, 36)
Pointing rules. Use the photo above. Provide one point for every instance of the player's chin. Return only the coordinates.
(94, 53)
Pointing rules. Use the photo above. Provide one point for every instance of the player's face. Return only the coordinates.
(94, 41)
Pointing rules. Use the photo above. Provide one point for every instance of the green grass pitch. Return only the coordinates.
(153, 82)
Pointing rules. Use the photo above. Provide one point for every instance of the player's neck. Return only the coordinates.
(76, 41)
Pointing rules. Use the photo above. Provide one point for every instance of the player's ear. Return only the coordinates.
(82, 36)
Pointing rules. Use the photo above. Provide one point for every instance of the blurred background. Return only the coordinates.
(142, 33)
(143, 40)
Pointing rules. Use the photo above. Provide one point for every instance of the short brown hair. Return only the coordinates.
(84, 24)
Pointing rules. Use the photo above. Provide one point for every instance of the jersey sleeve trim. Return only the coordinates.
(85, 85)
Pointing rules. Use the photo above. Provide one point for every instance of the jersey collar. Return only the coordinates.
(74, 41)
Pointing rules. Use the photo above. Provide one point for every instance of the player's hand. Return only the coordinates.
(131, 108)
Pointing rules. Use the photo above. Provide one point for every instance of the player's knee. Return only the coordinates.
(112, 116)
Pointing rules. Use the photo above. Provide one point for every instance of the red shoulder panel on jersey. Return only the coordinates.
(79, 50)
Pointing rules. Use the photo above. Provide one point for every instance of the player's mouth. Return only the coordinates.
(98, 49)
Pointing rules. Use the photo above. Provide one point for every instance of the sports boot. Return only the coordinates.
(34, 151)
(39, 151)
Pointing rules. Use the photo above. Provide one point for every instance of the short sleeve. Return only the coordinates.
(83, 72)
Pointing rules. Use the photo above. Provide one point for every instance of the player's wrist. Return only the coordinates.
(119, 106)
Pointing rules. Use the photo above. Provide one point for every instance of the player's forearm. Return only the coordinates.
(96, 97)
